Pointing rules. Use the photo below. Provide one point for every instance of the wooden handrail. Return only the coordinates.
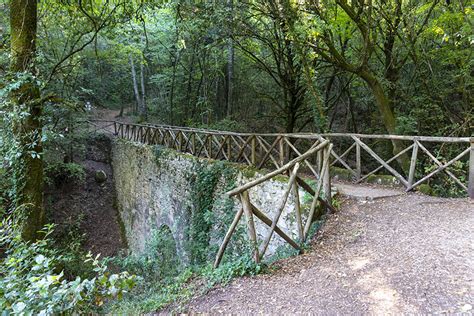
(272, 150)
(442, 139)
(277, 171)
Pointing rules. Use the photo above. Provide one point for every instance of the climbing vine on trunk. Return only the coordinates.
(25, 100)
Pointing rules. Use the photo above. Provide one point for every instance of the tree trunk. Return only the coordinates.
(28, 130)
(135, 86)
(388, 117)
(143, 109)
(230, 77)
(230, 63)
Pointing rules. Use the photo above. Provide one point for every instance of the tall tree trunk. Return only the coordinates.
(189, 87)
(135, 86)
(230, 77)
(388, 117)
(173, 82)
(230, 63)
(28, 130)
(143, 109)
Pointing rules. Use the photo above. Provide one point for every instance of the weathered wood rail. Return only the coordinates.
(414, 145)
(250, 210)
(282, 153)
(274, 150)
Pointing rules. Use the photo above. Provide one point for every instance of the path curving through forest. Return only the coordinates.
(407, 253)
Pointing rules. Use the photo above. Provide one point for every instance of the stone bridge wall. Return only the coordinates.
(156, 186)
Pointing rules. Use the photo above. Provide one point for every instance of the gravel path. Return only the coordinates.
(409, 253)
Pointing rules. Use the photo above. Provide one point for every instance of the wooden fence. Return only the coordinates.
(414, 147)
(250, 210)
(274, 150)
(282, 153)
(286, 154)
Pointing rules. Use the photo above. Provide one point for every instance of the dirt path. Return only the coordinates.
(409, 253)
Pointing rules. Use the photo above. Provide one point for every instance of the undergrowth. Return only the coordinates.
(168, 279)
(161, 284)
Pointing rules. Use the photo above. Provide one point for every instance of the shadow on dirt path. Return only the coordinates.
(408, 253)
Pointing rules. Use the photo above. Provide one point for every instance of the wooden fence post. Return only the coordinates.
(299, 222)
(281, 146)
(229, 149)
(179, 136)
(193, 142)
(209, 143)
(471, 170)
(326, 174)
(358, 163)
(253, 156)
(247, 206)
(414, 154)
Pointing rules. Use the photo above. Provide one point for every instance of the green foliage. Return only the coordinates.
(31, 284)
(157, 263)
(59, 173)
(406, 125)
(445, 186)
(179, 289)
(284, 251)
(230, 269)
(208, 176)
(156, 296)
(227, 125)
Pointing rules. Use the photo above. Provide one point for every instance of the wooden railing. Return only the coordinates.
(250, 210)
(354, 152)
(272, 151)
(414, 147)
(267, 151)
(285, 154)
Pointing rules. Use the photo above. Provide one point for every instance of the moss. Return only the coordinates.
(247, 171)
(123, 231)
(425, 189)
(382, 179)
(342, 173)
(281, 178)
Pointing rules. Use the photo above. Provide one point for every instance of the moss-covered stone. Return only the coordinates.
(346, 175)
(100, 176)
(341, 174)
(158, 186)
(425, 189)
(383, 179)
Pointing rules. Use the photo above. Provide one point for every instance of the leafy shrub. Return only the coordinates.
(244, 265)
(159, 260)
(443, 185)
(58, 173)
(31, 284)
(179, 289)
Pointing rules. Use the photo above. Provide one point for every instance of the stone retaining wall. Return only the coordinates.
(156, 186)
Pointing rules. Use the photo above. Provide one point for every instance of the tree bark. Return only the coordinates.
(28, 130)
(230, 63)
(388, 117)
(135, 85)
(143, 108)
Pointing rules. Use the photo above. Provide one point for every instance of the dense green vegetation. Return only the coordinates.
(397, 66)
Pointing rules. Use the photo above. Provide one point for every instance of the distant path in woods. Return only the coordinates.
(407, 253)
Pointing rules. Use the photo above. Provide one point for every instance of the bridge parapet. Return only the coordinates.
(359, 154)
